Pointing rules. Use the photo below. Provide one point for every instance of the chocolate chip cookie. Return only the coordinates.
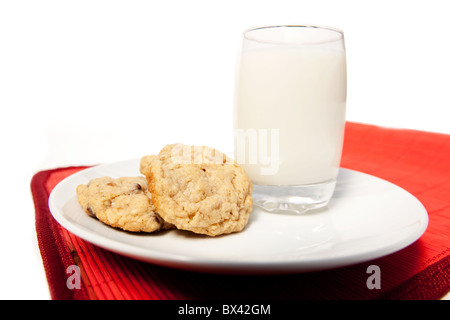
(199, 189)
(123, 203)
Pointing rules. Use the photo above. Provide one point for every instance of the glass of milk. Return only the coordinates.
(289, 114)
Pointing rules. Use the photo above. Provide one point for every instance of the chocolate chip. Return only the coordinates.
(90, 211)
(136, 188)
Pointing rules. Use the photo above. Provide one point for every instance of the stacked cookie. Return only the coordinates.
(191, 188)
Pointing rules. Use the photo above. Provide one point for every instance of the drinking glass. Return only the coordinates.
(289, 114)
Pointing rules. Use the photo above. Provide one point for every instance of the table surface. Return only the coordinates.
(371, 143)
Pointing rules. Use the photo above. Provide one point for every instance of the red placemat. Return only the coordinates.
(417, 161)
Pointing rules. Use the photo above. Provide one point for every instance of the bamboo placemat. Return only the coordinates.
(417, 161)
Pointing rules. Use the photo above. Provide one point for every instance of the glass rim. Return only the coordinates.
(246, 33)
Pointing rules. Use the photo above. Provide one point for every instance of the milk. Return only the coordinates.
(295, 95)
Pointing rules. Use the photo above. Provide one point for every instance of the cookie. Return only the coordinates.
(199, 189)
(121, 203)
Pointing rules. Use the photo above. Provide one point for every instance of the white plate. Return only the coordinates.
(367, 218)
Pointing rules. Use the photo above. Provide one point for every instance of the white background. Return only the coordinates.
(87, 82)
